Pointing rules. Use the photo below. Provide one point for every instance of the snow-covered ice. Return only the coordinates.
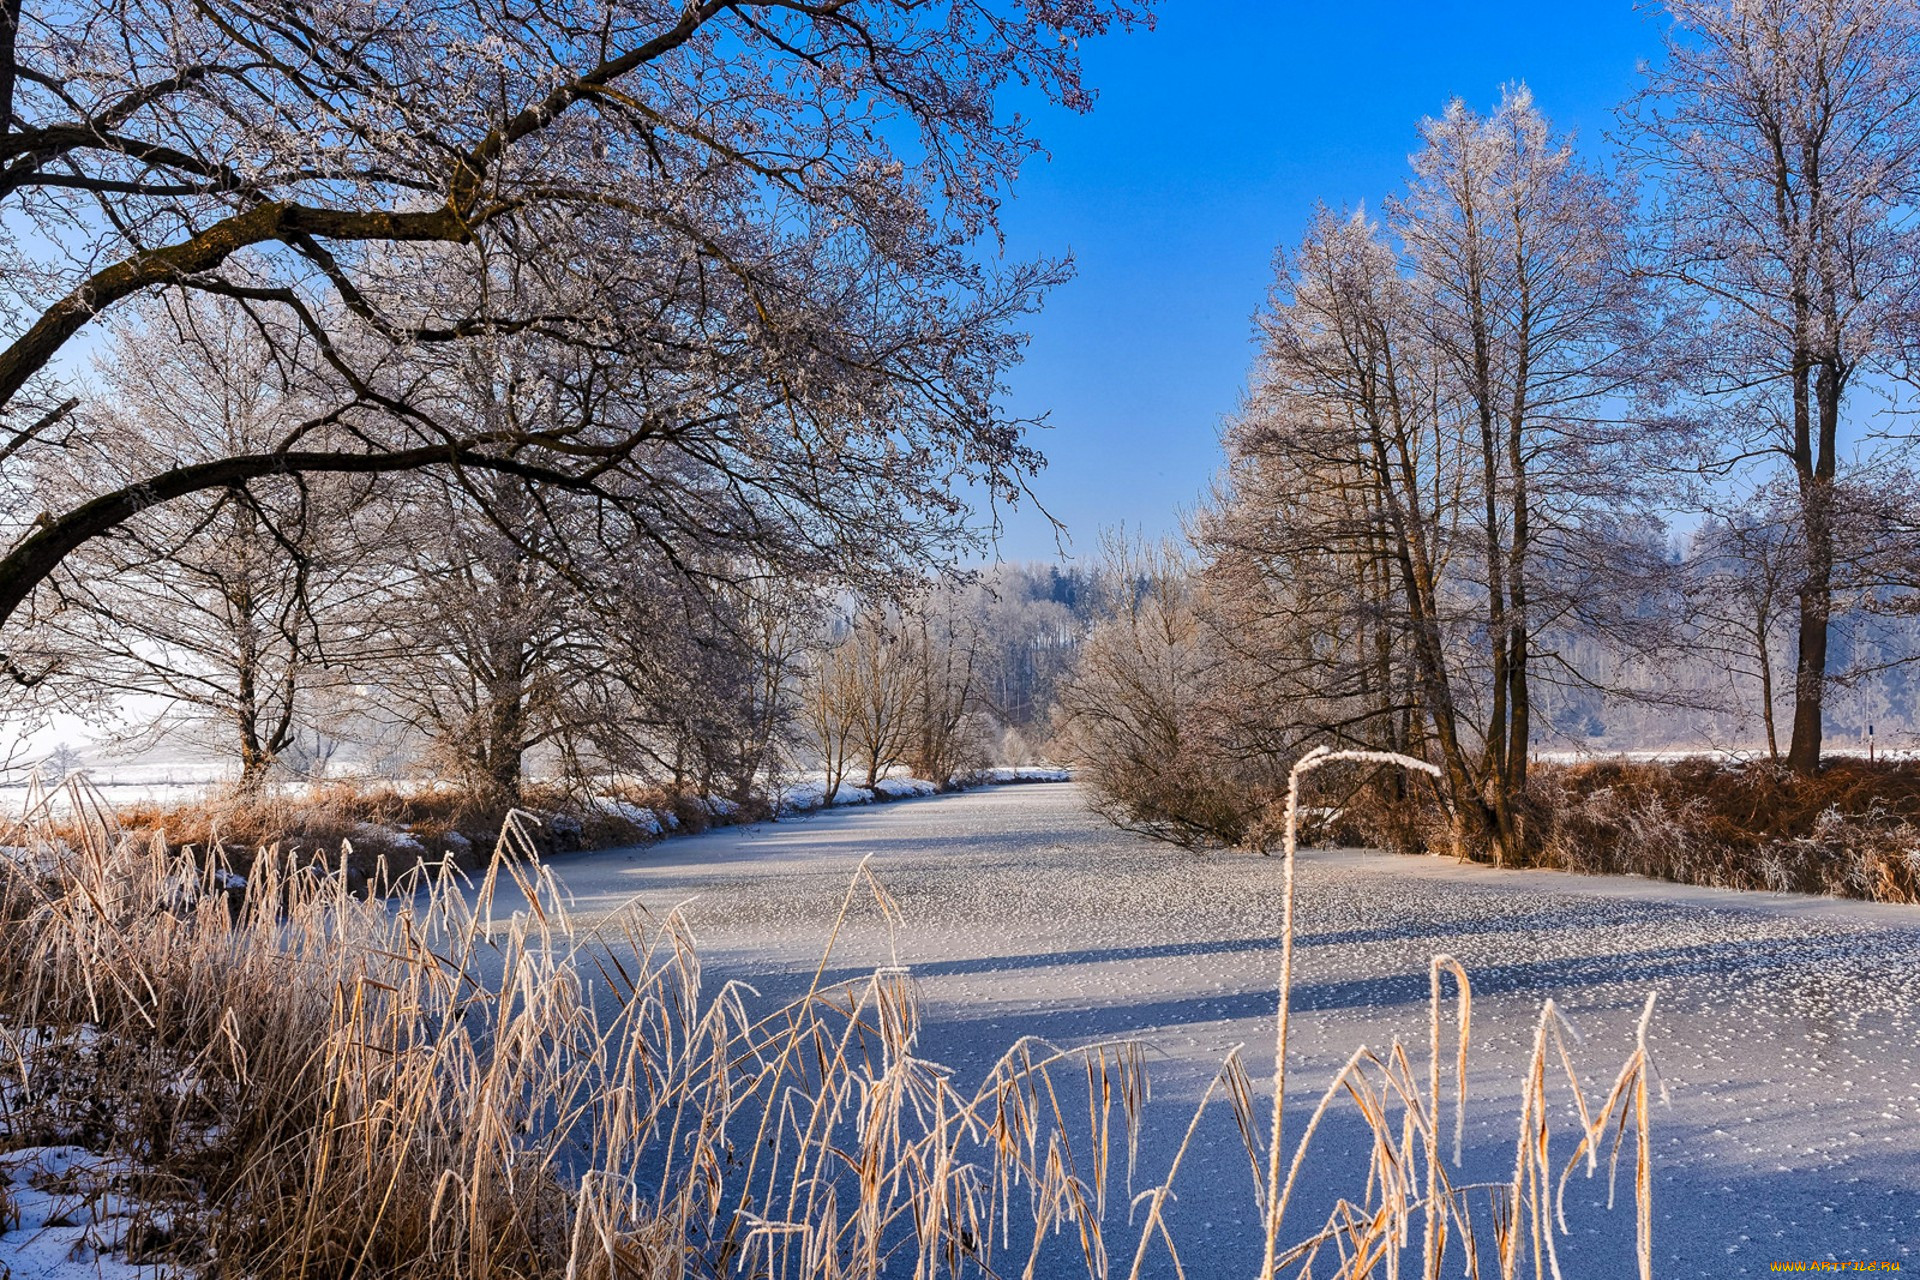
(1787, 1029)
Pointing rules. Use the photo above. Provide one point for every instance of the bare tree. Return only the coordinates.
(703, 190)
(863, 692)
(776, 624)
(879, 662)
(1148, 713)
(832, 697)
(666, 682)
(1744, 571)
(1787, 139)
(1519, 258)
(540, 633)
(471, 645)
(221, 606)
(944, 652)
(58, 765)
(1432, 485)
(1351, 465)
(521, 648)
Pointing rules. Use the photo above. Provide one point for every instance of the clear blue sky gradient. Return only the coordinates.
(1212, 139)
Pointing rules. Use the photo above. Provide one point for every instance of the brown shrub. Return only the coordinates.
(1378, 808)
(402, 826)
(1174, 801)
(374, 829)
(1851, 830)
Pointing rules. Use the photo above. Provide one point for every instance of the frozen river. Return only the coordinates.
(1786, 1028)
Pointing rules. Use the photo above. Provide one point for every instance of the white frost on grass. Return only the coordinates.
(904, 788)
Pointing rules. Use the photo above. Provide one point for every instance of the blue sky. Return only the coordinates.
(1213, 137)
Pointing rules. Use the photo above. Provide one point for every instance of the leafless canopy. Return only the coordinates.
(741, 239)
(1786, 136)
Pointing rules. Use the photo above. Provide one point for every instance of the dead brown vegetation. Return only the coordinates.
(1850, 830)
(362, 826)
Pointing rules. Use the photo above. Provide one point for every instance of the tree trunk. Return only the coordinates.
(255, 760)
(1472, 821)
(9, 60)
(1815, 615)
(1764, 649)
(1498, 624)
(505, 749)
(1816, 586)
(1519, 727)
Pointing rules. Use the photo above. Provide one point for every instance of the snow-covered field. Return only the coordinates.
(165, 782)
(1750, 752)
(1787, 1029)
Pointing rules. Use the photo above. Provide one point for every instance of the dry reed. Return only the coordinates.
(425, 1084)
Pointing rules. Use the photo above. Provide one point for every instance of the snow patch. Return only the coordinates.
(800, 797)
(1007, 775)
(635, 815)
(810, 794)
(70, 1222)
(393, 837)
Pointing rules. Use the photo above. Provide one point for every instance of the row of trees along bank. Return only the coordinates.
(1446, 503)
